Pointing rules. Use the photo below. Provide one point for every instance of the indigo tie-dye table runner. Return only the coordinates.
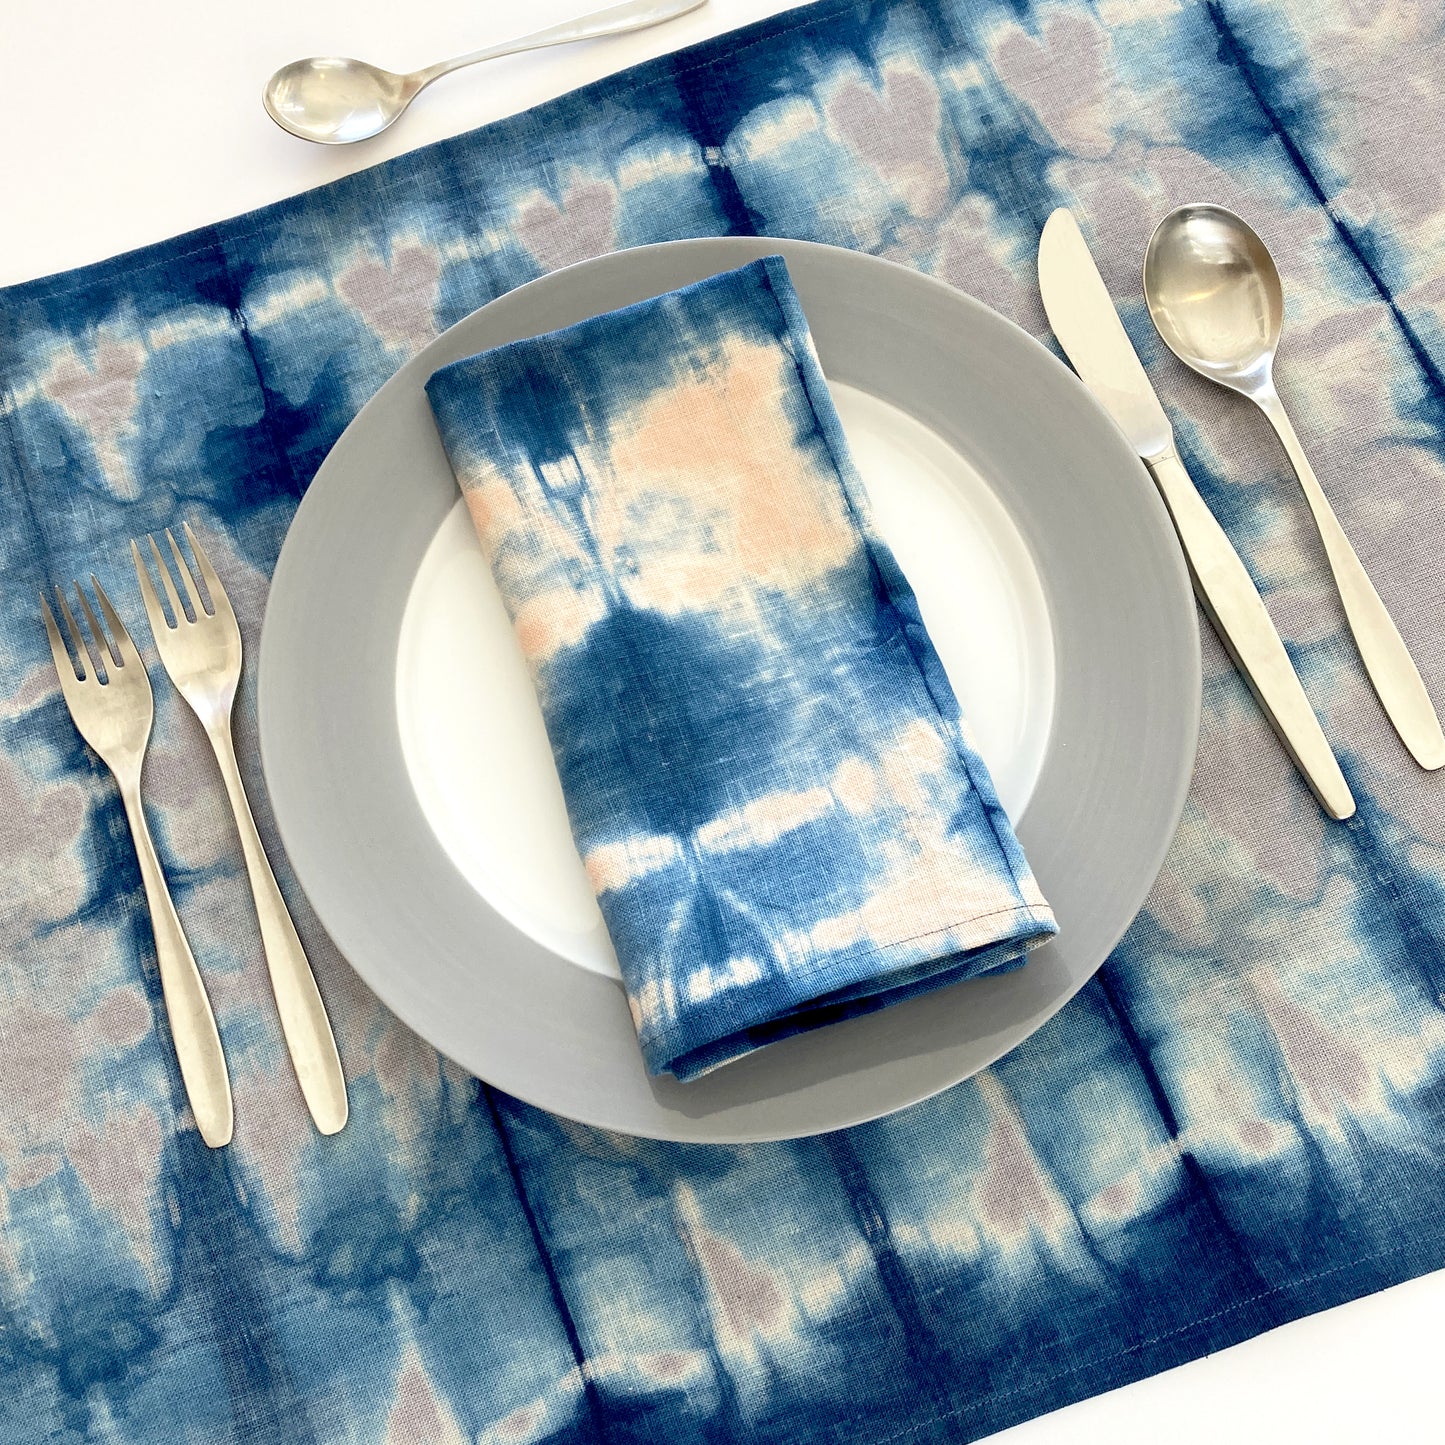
(1237, 1123)
(765, 767)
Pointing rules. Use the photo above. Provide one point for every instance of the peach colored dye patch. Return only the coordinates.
(764, 820)
(923, 744)
(855, 785)
(39, 830)
(931, 892)
(920, 753)
(614, 865)
(1063, 76)
(746, 1299)
(494, 508)
(841, 931)
(41, 1062)
(549, 621)
(935, 895)
(725, 447)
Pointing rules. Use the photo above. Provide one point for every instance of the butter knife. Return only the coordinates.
(1087, 326)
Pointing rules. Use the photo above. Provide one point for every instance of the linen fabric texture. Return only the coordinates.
(767, 773)
(1240, 1121)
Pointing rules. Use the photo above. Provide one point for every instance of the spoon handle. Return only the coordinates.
(615, 20)
(1387, 660)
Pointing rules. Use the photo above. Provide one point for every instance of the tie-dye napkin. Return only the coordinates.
(765, 767)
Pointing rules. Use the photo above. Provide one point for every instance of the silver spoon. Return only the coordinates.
(334, 101)
(1215, 296)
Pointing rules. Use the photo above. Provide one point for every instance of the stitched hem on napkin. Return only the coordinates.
(915, 966)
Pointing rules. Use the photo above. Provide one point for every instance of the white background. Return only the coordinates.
(127, 121)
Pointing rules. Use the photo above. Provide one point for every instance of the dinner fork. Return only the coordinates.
(113, 713)
(201, 651)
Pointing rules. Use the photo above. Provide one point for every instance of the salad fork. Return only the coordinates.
(201, 651)
(109, 696)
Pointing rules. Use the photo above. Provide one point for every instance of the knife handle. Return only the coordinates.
(1229, 597)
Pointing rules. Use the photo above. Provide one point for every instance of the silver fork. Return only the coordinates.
(202, 654)
(114, 716)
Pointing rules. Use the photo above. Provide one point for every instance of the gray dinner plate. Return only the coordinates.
(521, 1015)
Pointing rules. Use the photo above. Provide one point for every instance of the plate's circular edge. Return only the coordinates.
(1188, 718)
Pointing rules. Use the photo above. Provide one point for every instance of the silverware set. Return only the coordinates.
(1215, 297)
(106, 687)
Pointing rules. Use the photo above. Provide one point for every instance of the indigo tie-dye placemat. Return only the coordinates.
(766, 771)
(1237, 1123)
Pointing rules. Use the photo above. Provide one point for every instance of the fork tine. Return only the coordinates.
(219, 600)
(148, 591)
(119, 636)
(176, 610)
(104, 653)
(64, 663)
(187, 580)
(84, 662)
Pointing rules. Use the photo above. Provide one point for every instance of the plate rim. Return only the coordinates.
(289, 578)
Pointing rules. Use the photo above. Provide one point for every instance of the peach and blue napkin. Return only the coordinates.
(766, 770)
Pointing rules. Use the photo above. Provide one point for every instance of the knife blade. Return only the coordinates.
(1087, 326)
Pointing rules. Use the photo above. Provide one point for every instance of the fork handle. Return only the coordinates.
(303, 1014)
(193, 1025)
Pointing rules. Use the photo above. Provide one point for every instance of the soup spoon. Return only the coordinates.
(334, 101)
(1215, 295)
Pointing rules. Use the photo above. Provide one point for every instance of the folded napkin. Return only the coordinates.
(765, 767)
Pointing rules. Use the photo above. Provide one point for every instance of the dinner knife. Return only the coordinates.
(1087, 326)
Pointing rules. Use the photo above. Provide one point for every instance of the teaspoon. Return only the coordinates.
(334, 101)
(1215, 295)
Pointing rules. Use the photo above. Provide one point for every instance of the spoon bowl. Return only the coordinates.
(1214, 293)
(334, 101)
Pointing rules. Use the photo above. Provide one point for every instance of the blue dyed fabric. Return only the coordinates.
(765, 767)
(1240, 1121)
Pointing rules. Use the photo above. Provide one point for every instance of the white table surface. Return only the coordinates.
(130, 120)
